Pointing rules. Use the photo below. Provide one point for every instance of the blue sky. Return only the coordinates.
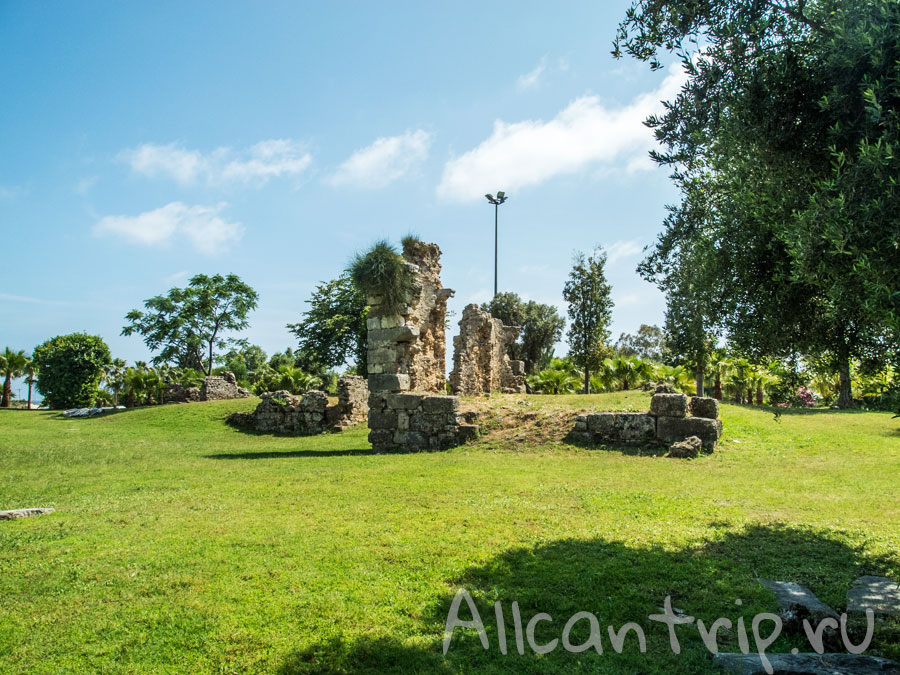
(141, 143)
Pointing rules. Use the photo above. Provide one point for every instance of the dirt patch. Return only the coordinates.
(514, 422)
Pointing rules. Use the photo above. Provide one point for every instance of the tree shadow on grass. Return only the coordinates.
(618, 583)
(287, 454)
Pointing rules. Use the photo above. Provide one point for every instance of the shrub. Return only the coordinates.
(383, 272)
(70, 369)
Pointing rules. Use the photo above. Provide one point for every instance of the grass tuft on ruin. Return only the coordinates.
(383, 272)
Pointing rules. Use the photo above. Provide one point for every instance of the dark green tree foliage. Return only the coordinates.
(244, 359)
(187, 324)
(649, 343)
(542, 327)
(333, 329)
(383, 272)
(784, 143)
(590, 312)
(283, 359)
(70, 368)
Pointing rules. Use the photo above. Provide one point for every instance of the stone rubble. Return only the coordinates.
(24, 513)
(808, 664)
(214, 388)
(280, 412)
(481, 364)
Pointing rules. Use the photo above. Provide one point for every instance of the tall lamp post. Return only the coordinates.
(496, 201)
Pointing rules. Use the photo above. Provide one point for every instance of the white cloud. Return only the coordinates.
(265, 160)
(199, 226)
(583, 135)
(177, 276)
(531, 79)
(383, 162)
(623, 249)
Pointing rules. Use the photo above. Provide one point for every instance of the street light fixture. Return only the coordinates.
(496, 201)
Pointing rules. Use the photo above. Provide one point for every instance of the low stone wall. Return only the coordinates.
(221, 388)
(280, 412)
(666, 423)
(403, 421)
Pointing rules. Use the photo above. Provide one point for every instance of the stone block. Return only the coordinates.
(517, 367)
(704, 406)
(467, 432)
(880, 594)
(636, 428)
(412, 440)
(397, 334)
(382, 419)
(672, 429)
(386, 382)
(440, 404)
(602, 425)
(405, 401)
(373, 323)
(687, 449)
(381, 438)
(668, 405)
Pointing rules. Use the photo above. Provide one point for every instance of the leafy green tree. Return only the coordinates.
(648, 343)
(541, 324)
(784, 145)
(590, 312)
(333, 330)
(244, 360)
(285, 358)
(12, 363)
(187, 324)
(70, 368)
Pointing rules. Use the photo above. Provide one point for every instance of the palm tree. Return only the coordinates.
(134, 386)
(631, 371)
(30, 371)
(552, 381)
(719, 365)
(678, 376)
(114, 375)
(296, 380)
(13, 366)
(605, 379)
(739, 378)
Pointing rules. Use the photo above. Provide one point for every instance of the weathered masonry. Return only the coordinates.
(667, 422)
(406, 361)
(481, 364)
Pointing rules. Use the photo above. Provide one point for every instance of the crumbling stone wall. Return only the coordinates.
(353, 403)
(407, 353)
(481, 363)
(280, 412)
(220, 388)
(667, 423)
(214, 388)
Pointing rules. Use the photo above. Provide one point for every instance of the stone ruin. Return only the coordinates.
(667, 423)
(281, 412)
(214, 388)
(480, 360)
(406, 362)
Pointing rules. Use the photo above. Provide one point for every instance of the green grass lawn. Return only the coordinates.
(182, 545)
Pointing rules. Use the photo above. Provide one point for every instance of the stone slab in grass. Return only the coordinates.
(880, 594)
(795, 599)
(23, 513)
(704, 406)
(808, 664)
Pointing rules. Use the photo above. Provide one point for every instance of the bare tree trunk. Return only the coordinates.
(7, 392)
(699, 381)
(717, 393)
(845, 399)
(749, 395)
(759, 394)
(29, 394)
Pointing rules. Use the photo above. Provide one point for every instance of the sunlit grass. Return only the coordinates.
(182, 545)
